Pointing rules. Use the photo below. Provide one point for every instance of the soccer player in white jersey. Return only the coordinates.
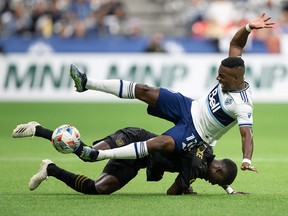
(196, 121)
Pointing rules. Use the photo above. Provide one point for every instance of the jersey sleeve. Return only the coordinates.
(244, 114)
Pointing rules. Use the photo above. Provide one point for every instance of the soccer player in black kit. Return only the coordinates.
(197, 163)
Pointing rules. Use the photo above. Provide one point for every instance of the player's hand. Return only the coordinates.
(189, 191)
(261, 22)
(239, 193)
(247, 166)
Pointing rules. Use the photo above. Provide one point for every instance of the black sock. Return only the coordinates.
(43, 132)
(79, 183)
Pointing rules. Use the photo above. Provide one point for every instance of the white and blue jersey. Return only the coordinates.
(203, 120)
(216, 113)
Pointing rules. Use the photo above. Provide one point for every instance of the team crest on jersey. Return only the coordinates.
(119, 142)
(249, 115)
(228, 101)
(200, 152)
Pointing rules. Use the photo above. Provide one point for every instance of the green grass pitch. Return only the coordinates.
(20, 159)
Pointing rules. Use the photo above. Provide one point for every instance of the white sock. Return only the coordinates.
(131, 151)
(119, 88)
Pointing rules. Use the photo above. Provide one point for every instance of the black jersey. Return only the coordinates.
(190, 164)
(194, 165)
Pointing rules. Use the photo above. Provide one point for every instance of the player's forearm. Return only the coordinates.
(239, 41)
(240, 38)
(174, 189)
(247, 147)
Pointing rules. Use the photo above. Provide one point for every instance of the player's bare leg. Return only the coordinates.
(147, 94)
(107, 184)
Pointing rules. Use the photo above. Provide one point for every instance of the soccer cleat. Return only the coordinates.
(40, 176)
(80, 79)
(25, 130)
(89, 154)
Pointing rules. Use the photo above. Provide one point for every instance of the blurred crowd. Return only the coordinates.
(212, 19)
(219, 19)
(65, 18)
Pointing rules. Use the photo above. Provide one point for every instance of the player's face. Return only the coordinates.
(215, 174)
(216, 178)
(226, 79)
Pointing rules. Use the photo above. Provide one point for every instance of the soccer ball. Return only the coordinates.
(66, 139)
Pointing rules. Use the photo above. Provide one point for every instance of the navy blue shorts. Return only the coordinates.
(176, 108)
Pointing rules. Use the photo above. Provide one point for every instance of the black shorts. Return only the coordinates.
(156, 164)
(126, 136)
(125, 170)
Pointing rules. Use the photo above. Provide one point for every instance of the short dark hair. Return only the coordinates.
(230, 170)
(233, 62)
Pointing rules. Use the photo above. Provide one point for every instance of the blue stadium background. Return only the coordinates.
(189, 26)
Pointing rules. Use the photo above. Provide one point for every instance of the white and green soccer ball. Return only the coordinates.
(66, 138)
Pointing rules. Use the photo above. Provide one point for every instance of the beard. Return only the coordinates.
(224, 89)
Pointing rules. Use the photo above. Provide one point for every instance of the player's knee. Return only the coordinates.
(147, 94)
(141, 90)
(107, 185)
(165, 146)
(103, 189)
(161, 144)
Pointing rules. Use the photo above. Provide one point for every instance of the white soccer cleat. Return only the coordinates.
(25, 130)
(40, 176)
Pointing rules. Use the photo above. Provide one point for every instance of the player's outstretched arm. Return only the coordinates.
(247, 148)
(239, 40)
